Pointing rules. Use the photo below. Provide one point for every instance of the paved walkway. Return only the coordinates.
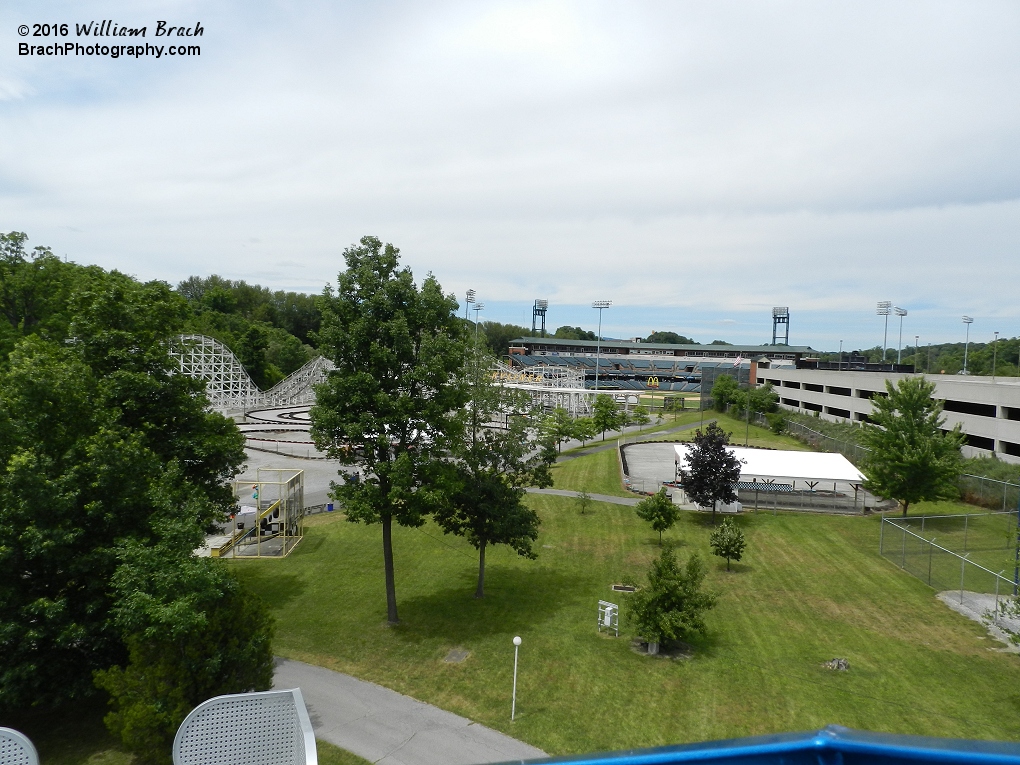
(386, 727)
(596, 497)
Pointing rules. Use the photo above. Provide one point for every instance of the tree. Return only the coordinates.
(584, 429)
(728, 541)
(712, 469)
(490, 468)
(724, 390)
(672, 606)
(392, 403)
(671, 338)
(660, 511)
(574, 333)
(558, 427)
(191, 630)
(911, 459)
(639, 416)
(584, 501)
(499, 336)
(90, 424)
(606, 414)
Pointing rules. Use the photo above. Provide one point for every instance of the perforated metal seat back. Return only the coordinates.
(269, 728)
(16, 749)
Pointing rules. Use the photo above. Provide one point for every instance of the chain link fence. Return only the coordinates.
(972, 553)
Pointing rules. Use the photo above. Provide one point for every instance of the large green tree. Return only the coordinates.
(912, 458)
(606, 414)
(392, 404)
(673, 605)
(712, 470)
(90, 423)
(497, 456)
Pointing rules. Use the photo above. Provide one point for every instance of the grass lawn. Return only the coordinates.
(810, 588)
(597, 473)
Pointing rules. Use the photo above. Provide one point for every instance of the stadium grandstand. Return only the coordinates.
(635, 366)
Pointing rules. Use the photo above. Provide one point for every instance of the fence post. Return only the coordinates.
(931, 549)
(963, 568)
(881, 529)
(903, 559)
(966, 525)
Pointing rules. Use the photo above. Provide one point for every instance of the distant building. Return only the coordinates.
(987, 409)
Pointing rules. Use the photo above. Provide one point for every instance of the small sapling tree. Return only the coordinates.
(584, 501)
(660, 511)
(728, 541)
(672, 607)
(606, 414)
(711, 469)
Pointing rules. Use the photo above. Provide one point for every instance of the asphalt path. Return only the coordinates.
(386, 727)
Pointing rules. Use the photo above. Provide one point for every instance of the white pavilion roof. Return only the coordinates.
(776, 463)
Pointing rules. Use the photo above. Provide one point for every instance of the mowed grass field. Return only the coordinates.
(810, 588)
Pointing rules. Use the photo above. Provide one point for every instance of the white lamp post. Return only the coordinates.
(839, 364)
(600, 304)
(884, 307)
(995, 347)
(513, 704)
(968, 321)
(901, 312)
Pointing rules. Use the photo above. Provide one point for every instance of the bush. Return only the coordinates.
(777, 422)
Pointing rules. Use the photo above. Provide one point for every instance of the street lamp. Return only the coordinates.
(917, 350)
(901, 312)
(513, 704)
(600, 304)
(995, 347)
(468, 300)
(883, 309)
(968, 321)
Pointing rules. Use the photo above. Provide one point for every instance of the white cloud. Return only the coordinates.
(723, 155)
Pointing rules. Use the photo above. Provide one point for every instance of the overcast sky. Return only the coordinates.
(695, 162)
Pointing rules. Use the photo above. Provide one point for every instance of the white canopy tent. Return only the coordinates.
(794, 479)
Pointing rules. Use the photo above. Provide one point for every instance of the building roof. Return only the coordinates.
(778, 463)
(750, 349)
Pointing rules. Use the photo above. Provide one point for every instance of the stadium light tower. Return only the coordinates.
(901, 312)
(478, 307)
(884, 307)
(469, 298)
(966, 347)
(600, 304)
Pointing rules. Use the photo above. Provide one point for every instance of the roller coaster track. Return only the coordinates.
(227, 383)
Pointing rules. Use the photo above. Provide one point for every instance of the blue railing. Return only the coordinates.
(833, 745)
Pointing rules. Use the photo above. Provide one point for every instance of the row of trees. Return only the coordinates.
(409, 403)
(112, 468)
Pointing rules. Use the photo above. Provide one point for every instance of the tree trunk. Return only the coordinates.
(391, 589)
(905, 506)
(727, 564)
(660, 539)
(480, 592)
(714, 503)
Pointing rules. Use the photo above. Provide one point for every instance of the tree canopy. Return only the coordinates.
(912, 458)
(93, 418)
(728, 541)
(567, 332)
(669, 337)
(712, 471)
(673, 605)
(659, 511)
(392, 404)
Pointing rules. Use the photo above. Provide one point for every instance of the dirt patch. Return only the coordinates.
(666, 650)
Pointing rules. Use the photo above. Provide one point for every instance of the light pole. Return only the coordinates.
(839, 364)
(966, 347)
(884, 306)
(917, 339)
(995, 347)
(513, 704)
(478, 307)
(600, 304)
(901, 312)
(469, 298)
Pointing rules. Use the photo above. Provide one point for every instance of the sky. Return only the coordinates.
(697, 163)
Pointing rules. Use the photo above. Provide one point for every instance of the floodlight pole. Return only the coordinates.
(513, 704)
(600, 304)
(839, 363)
(883, 309)
(917, 340)
(968, 321)
(995, 348)
(469, 298)
(478, 307)
(901, 312)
